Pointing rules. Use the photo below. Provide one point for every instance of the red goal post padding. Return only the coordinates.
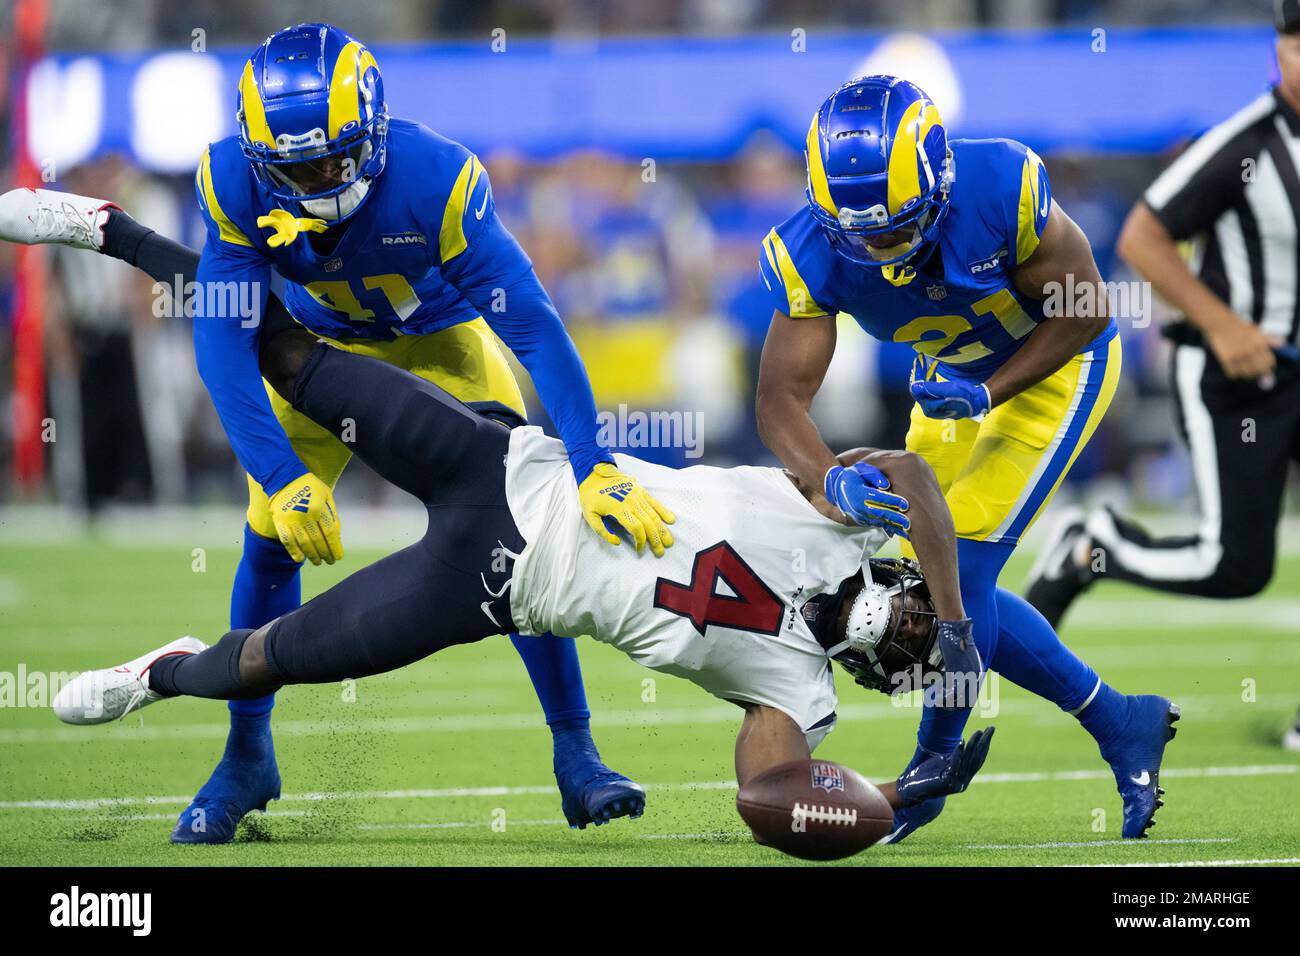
(29, 268)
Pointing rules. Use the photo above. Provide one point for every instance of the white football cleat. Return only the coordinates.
(33, 216)
(97, 697)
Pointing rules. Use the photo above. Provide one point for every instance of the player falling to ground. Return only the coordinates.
(1017, 657)
(164, 259)
(952, 248)
(762, 589)
(1236, 369)
(386, 235)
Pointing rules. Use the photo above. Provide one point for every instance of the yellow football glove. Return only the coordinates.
(307, 521)
(609, 493)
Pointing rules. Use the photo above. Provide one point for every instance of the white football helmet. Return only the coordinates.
(891, 628)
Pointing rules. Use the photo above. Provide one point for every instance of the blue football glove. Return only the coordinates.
(940, 775)
(860, 492)
(962, 667)
(954, 399)
(908, 820)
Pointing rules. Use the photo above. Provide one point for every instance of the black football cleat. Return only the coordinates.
(1058, 577)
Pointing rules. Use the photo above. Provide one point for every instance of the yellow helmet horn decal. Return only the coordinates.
(345, 103)
(254, 111)
(907, 152)
(821, 187)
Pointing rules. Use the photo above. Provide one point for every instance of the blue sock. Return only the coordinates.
(267, 584)
(979, 563)
(1032, 655)
(552, 664)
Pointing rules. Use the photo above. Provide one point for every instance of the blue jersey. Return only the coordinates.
(961, 308)
(425, 251)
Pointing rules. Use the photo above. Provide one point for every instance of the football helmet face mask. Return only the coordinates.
(880, 171)
(312, 119)
(891, 629)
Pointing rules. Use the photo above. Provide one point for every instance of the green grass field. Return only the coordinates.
(416, 767)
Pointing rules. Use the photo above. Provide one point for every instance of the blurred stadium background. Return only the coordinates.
(640, 151)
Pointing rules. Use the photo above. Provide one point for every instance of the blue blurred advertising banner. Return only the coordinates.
(1112, 90)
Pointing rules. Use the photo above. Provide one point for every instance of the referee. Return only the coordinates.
(1234, 196)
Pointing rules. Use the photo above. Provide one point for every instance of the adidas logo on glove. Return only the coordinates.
(617, 492)
(301, 500)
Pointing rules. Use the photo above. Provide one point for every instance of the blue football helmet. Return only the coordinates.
(312, 119)
(879, 170)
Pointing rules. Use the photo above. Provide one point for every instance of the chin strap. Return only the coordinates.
(287, 226)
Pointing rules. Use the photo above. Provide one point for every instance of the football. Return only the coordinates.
(815, 810)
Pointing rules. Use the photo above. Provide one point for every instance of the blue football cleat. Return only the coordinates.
(589, 791)
(1135, 760)
(246, 779)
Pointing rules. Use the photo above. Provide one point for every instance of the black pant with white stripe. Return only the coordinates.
(1242, 439)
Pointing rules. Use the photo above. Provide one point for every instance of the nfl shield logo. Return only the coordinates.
(333, 265)
(935, 292)
(827, 776)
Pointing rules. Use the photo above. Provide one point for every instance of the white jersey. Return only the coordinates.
(720, 608)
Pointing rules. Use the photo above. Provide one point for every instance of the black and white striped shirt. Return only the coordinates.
(1235, 194)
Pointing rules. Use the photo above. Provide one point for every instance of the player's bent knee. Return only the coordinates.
(1240, 578)
(254, 671)
(282, 356)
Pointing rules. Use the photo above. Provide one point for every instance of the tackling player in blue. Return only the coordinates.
(955, 248)
(390, 245)
(387, 239)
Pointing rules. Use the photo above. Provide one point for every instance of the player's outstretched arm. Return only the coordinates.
(492, 271)
(232, 282)
(932, 534)
(934, 539)
(226, 352)
(1063, 260)
(940, 775)
(796, 355)
(768, 738)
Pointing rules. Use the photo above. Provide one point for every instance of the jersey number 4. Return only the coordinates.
(750, 605)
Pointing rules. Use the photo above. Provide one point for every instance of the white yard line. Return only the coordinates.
(10, 592)
(648, 716)
(90, 803)
(458, 824)
(1255, 770)
(1200, 707)
(716, 835)
(1188, 613)
(1275, 861)
(1093, 843)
